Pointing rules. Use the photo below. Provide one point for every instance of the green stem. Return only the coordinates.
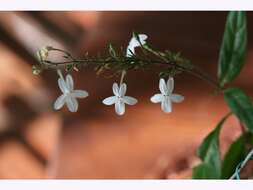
(245, 161)
(196, 72)
(128, 63)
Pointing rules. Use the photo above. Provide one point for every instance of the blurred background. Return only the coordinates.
(38, 142)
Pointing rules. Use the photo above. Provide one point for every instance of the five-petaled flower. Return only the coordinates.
(166, 97)
(133, 43)
(69, 94)
(119, 99)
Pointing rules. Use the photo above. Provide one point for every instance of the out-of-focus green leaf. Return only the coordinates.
(241, 106)
(204, 171)
(209, 153)
(233, 48)
(234, 155)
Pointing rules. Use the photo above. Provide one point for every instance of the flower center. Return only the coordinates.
(119, 97)
(167, 95)
(68, 91)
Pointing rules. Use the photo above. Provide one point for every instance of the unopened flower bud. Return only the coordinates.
(42, 54)
(36, 69)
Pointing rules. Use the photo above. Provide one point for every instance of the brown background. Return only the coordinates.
(38, 142)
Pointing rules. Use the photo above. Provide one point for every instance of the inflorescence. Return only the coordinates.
(119, 63)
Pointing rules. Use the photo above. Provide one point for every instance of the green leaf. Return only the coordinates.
(205, 171)
(241, 106)
(209, 153)
(233, 48)
(234, 155)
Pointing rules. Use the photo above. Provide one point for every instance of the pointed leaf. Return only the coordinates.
(234, 155)
(233, 48)
(209, 153)
(241, 106)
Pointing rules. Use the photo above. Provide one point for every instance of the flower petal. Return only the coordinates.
(115, 89)
(176, 98)
(142, 38)
(170, 84)
(70, 82)
(156, 98)
(79, 94)
(166, 105)
(110, 100)
(130, 51)
(120, 107)
(163, 87)
(59, 102)
(62, 85)
(130, 100)
(135, 43)
(72, 104)
(122, 89)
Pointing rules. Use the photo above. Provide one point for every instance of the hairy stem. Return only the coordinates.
(122, 63)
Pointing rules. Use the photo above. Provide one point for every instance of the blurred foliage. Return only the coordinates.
(231, 61)
(209, 153)
(241, 106)
(235, 154)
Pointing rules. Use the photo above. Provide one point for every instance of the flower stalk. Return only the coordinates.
(118, 62)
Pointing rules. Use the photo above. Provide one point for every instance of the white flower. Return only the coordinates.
(69, 94)
(119, 99)
(133, 43)
(166, 97)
